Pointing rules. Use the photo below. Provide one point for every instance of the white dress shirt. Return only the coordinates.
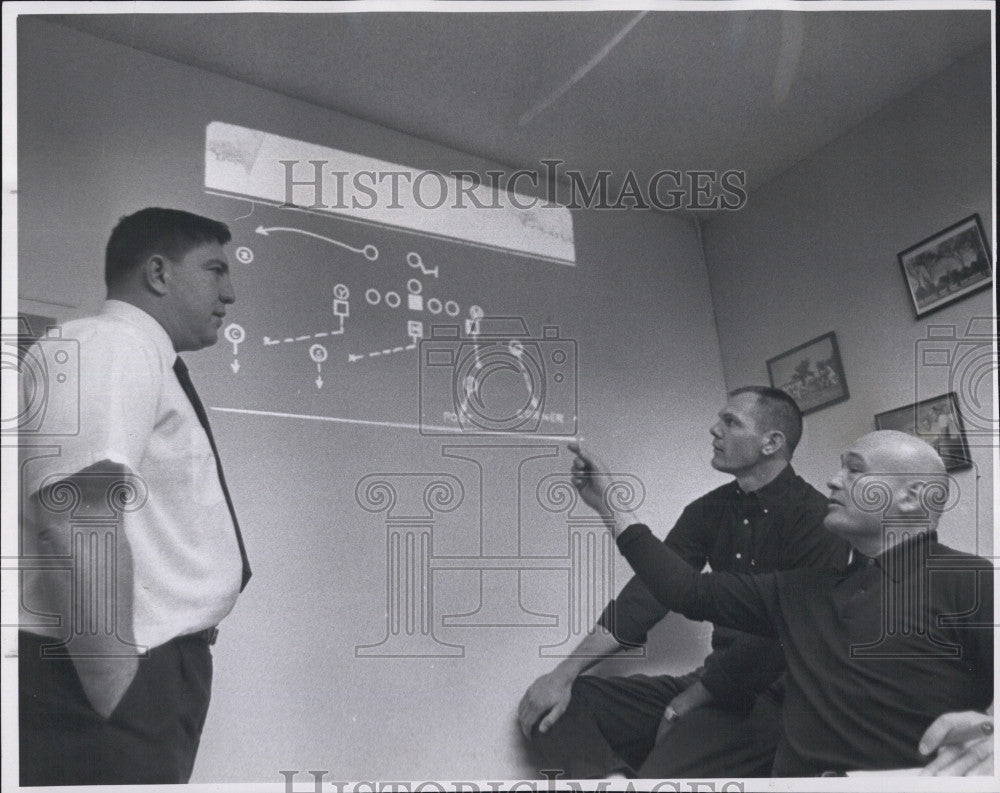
(133, 411)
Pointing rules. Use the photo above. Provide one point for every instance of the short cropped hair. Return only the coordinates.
(170, 232)
(776, 410)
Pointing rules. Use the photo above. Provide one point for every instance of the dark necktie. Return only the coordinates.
(181, 370)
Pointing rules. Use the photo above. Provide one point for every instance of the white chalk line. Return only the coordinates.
(391, 424)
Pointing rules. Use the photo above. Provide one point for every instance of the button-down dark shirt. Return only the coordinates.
(875, 651)
(777, 527)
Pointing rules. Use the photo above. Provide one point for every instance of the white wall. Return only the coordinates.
(105, 130)
(815, 250)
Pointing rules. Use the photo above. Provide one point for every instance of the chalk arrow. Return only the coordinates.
(370, 252)
(352, 358)
(319, 381)
(235, 366)
(269, 341)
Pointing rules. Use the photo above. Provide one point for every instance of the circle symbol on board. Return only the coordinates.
(414, 287)
(475, 312)
(318, 353)
(451, 308)
(392, 299)
(434, 305)
(234, 333)
(370, 252)
(511, 399)
(244, 255)
(341, 292)
(373, 297)
(413, 259)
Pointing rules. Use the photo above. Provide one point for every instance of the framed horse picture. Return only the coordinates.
(811, 373)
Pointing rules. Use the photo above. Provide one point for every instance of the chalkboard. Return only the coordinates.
(426, 318)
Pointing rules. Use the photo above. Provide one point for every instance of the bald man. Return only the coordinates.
(890, 659)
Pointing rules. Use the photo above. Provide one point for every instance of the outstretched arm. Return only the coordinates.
(726, 599)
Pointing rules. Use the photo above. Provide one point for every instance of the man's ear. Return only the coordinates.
(155, 272)
(926, 497)
(909, 499)
(774, 441)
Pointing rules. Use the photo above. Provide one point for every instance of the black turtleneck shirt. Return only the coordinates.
(777, 527)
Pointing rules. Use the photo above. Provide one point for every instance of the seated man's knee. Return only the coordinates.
(583, 696)
(586, 693)
(582, 688)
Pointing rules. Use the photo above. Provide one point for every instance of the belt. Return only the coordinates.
(209, 635)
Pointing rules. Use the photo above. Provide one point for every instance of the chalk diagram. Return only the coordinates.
(330, 343)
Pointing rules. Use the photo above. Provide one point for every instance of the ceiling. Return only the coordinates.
(751, 90)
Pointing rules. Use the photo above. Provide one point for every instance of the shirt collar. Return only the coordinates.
(893, 561)
(137, 318)
(772, 495)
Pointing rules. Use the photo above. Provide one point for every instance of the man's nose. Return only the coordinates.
(227, 294)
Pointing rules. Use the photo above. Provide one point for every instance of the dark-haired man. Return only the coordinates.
(721, 719)
(114, 688)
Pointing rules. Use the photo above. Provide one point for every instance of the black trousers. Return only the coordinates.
(611, 723)
(151, 737)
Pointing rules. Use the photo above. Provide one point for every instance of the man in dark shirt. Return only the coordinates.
(722, 719)
(889, 658)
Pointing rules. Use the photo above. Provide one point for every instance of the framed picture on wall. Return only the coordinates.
(947, 266)
(937, 421)
(811, 373)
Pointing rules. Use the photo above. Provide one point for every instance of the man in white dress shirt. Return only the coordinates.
(126, 514)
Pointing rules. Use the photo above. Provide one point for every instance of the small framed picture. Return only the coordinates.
(937, 421)
(947, 266)
(811, 373)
